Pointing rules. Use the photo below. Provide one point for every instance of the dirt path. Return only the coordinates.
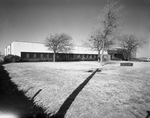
(14, 101)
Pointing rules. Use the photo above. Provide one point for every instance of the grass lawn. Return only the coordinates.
(116, 92)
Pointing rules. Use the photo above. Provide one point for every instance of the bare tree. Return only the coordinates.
(96, 42)
(130, 43)
(58, 43)
(110, 21)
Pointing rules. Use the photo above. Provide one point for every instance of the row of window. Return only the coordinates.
(31, 55)
(36, 55)
(86, 56)
(50, 55)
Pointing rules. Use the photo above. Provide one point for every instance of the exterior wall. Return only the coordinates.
(5, 52)
(83, 50)
(38, 52)
(116, 54)
(19, 47)
(8, 50)
(12, 49)
(36, 56)
(16, 48)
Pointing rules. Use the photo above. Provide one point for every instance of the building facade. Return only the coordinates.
(38, 52)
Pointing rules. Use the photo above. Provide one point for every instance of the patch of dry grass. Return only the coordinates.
(116, 92)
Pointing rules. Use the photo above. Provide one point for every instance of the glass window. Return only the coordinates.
(38, 55)
(30, 55)
(34, 55)
(27, 55)
(23, 54)
(41, 55)
(50, 55)
(45, 55)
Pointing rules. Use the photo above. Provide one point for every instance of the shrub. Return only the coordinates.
(12, 58)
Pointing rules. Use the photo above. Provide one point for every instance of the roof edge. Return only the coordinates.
(27, 42)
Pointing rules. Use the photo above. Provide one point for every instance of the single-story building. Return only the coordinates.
(29, 51)
(117, 54)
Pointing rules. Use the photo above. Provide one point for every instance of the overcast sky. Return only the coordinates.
(33, 20)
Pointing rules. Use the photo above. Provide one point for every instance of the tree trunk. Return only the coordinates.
(129, 57)
(125, 55)
(102, 57)
(54, 56)
(98, 55)
(102, 52)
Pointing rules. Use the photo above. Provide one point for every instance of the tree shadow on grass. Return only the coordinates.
(65, 106)
(14, 101)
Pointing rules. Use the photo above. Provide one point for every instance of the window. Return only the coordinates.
(41, 55)
(27, 55)
(70, 56)
(30, 55)
(47, 56)
(44, 55)
(34, 55)
(57, 56)
(37, 55)
(23, 54)
(50, 55)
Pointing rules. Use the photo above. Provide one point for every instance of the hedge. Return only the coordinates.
(12, 58)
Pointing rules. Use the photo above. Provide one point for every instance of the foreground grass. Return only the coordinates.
(116, 92)
(15, 102)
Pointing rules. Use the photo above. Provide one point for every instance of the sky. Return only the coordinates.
(33, 20)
